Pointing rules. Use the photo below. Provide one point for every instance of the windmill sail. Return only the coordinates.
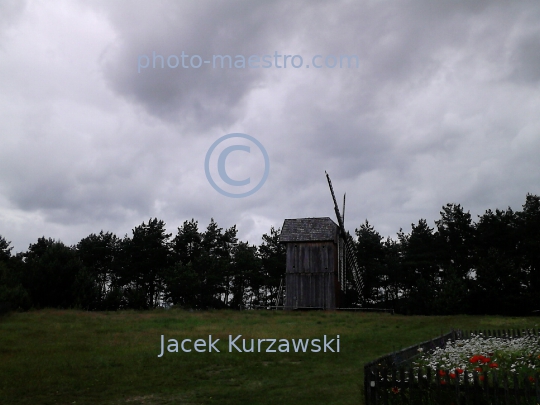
(349, 247)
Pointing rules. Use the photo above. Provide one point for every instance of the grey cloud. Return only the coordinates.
(526, 59)
(441, 109)
(198, 98)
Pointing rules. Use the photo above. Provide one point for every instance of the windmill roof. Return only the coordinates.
(309, 230)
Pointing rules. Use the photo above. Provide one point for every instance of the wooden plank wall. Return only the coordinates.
(311, 277)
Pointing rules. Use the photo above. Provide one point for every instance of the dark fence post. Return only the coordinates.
(367, 385)
(537, 385)
(466, 385)
(456, 383)
(496, 386)
(385, 385)
(516, 389)
(506, 388)
(402, 384)
(429, 381)
(485, 377)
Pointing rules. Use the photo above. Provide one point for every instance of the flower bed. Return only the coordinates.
(482, 369)
(519, 355)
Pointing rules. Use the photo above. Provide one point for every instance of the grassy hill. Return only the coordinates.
(75, 357)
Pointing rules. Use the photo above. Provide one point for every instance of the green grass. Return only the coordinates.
(75, 357)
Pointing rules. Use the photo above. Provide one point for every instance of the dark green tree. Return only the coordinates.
(12, 293)
(186, 245)
(370, 256)
(5, 249)
(456, 239)
(453, 294)
(272, 272)
(203, 274)
(214, 267)
(420, 268)
(392, 279)
(147, 255)
(497, 280)
(245, 271)
(498, 288)
(183, 285)
(529, 249)
(54, 276)
(101, 256)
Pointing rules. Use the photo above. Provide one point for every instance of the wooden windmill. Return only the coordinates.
(320, 258)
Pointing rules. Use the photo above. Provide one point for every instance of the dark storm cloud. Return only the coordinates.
(443, 107)
(199, 97)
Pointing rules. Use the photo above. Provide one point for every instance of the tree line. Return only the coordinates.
(193, 269)
(491, 266)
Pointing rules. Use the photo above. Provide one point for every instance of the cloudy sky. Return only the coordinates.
(444, 106)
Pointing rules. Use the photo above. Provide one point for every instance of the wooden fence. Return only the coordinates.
(390, 379)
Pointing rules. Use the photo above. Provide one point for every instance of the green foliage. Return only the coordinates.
(420, 268)
(53, 275)
(492, 266)
(146, 255)
(370, 258)
(456, 238)
(5, 250)
(246, 273)
(452, 296)
(272, 272)
(101, 257)
(12, 294)
(110, 358)
(183, 285)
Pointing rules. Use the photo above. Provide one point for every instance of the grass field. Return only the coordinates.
(75, 357)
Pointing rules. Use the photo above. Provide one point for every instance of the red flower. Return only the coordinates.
(480, 359)
(481, 378)
(452, 375)
(459, 370)
(443, 382)
(493, 365)
(442, 373)
(395, 390)
(531, 379)
(478, 369)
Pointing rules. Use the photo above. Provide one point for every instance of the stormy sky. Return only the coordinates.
(442, 107)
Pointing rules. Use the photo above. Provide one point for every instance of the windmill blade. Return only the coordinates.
(355, 270)
(336, 208)
(349, 244)
(343, 218)
(343, 267)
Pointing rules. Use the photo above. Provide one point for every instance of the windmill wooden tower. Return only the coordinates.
(321, 261)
